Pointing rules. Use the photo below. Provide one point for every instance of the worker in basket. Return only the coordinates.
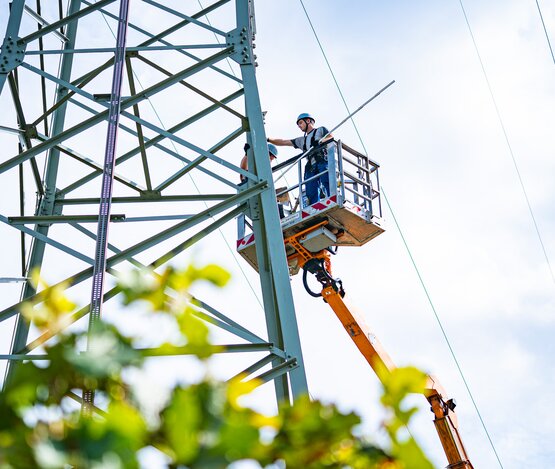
(272, 154)
(318, 161)
(282, 200)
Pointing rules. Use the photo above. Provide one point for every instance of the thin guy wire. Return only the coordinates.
(502, 125)
(364, 147)
(172, 143)
(218, 40)
(412, 259)
(233, 73)
(440, 325)
(192, 180)
(333, 75)
(545, 31)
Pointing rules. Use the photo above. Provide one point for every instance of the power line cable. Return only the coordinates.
(332, 74)
(545, 31)
(507, 141)
(410, 255)
(421, 280)
(218, 40)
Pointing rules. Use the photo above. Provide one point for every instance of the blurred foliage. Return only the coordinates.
(201, 426)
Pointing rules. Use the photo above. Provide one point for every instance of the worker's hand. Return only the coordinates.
(246, 147)
(326, 138)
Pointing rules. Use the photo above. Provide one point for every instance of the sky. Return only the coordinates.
(448, 174)
(454, 162)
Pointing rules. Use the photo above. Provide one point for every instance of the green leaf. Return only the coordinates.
(238, 437)
(126, 420)
(203, 426)
(109, 353)
(397, 385)
(182, 423)
(196, 332)
(215, 274)
(52, 312)
(410, 455)
(144, 284)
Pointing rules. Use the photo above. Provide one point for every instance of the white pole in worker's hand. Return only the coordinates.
(291, 161)
(328, 135)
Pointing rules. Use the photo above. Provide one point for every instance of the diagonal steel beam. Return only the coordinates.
(68, 19)
(171, 136)
(71, 132)
(139, 127)
(47, 240)
(197, 161)
(79, 83)
(91, 163)
(277, 371)
(23, 125)
(254, 367)
(155, 264)
(155, 142)
(179, 25)
(39, 19)
(192, 88)
(159, 37)
(111, 247)
(213, 314)
(166, 234)
(187, 18)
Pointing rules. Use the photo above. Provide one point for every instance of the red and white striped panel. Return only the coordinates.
(318, 206)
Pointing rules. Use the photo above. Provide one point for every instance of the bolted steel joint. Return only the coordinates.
(242, 46)
(11, 55)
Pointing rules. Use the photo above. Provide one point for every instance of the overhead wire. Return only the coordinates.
(217, 39)
(233, 253)
(332, 74)
(507, 141)
(444, 333)
(545, 31)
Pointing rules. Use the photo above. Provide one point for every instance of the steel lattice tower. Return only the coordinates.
(189, 91)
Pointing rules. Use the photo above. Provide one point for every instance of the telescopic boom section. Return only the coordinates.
(445, 419)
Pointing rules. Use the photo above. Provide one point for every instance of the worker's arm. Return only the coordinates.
(244, 163)
(281, 142)
(326, 138)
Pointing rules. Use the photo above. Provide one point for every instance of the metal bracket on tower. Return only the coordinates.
(243, 45)
(11, 55)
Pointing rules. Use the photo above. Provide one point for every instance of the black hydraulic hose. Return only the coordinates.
(307, 288)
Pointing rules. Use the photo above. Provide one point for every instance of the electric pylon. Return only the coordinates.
(189, 91)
